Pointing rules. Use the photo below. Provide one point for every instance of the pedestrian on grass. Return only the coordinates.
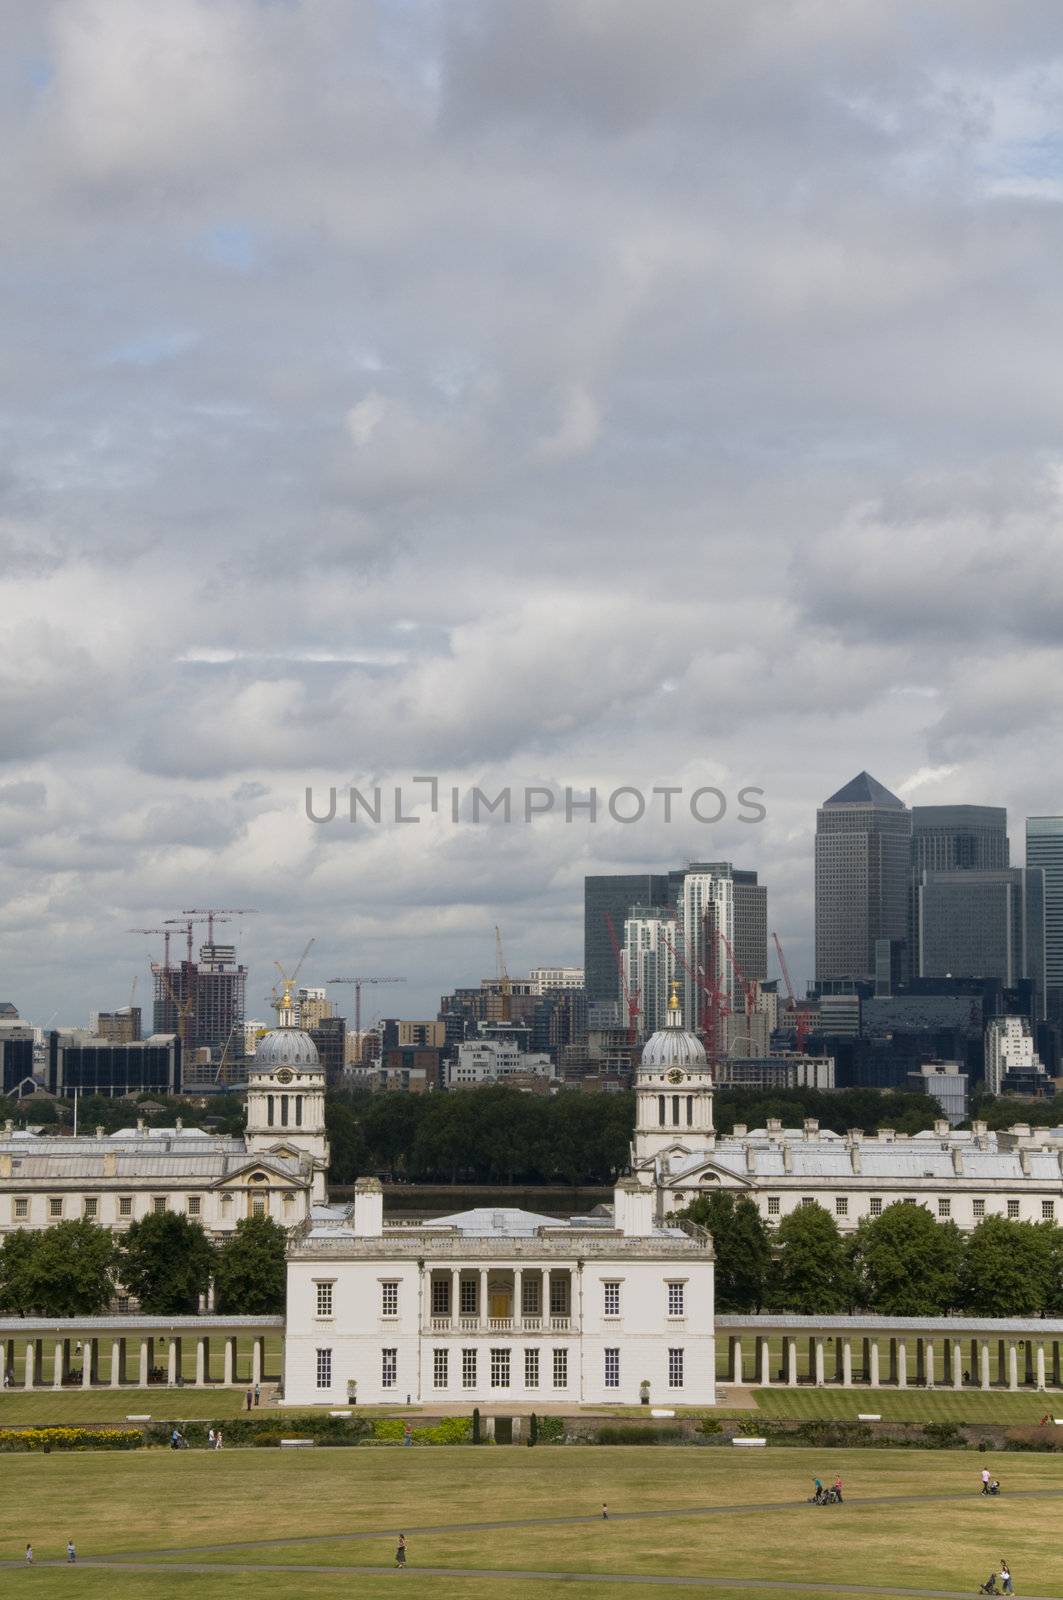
(1005, 1577)
(217, 1440)
(605, 1512)
(210, 1439)
(250, 1398)
(400, 1553)
(29, 1555)
(71, 1553)
(838, 1487)
(258, 1393)
(985, 1480)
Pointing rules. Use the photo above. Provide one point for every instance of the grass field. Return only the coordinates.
(196, 1522)
(910, 1405)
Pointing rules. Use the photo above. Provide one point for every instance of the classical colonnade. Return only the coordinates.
(946, 1352)
(143, 1350)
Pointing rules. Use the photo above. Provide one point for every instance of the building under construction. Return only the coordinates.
(203, 1001)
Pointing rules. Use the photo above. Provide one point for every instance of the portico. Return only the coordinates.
(136, 1351)
(500, 1299)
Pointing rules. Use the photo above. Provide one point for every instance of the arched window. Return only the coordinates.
(298, 1111)
(660, 1109)
(675, 1111)
(269, 1110)
(690, 1110)
(284, 1110)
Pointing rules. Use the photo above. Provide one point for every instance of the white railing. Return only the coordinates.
(510, 1325)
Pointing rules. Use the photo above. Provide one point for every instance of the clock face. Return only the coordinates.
(285, 1075)
(675, 1076)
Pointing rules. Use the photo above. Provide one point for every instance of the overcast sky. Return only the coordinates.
(584, 392)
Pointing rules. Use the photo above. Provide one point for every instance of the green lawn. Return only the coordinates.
(910, 1405)
(154, 1505)
(113, 1405)
(273, 1359)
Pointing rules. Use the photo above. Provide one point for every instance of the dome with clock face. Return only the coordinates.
(285, 1047)
(672, 1049)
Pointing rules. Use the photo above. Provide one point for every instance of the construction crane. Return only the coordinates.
(503, 978)
(184, 1008)
(749, 987)
(285, 1001)
(220, 914)
(166, 942)
(713, 1007)
(800, 1015)
(631, 996)
(357, 986)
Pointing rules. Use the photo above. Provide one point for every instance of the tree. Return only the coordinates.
(348, 1156)
(63, 1271)
(906, 1264)
(249, 1272)
(811, 1273)
(1009, 1269)
(166, 1262)
(742, 1245)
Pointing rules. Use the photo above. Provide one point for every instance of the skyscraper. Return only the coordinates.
(863, 847)
(1044, 849)
(959, 838)
(613, 895)
(983, 924)
(650, 942)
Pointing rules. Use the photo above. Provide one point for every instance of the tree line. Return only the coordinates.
(902, 1263)
(165, 1262)
(498, 1135)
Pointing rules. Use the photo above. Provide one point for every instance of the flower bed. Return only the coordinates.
(46, 1439)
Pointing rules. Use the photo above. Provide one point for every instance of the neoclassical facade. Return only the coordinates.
(276, 1169)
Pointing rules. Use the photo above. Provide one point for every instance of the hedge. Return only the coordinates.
(45, 1439)
(450, 1430)
(248, 1430)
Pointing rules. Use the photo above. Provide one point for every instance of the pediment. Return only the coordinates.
(707, 1174)
(244, 1177)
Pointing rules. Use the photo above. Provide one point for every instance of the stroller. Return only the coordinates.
(824, 1496)
(990, 1585)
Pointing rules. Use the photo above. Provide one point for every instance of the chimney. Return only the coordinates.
(774, 1125)
(979, 1129)
(1022, 1130)
(887, 1135)
(740, 1130)
(9, 1128)
(141, 1125)
(811, 1127)
(957, 1160)
(633, 1208)
(368, 1208)
(941, 1127)
(179, 1124)
(787, 1158)
(99, 1130)
(855, 1135)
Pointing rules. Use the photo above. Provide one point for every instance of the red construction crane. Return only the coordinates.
(223, 913)
(713, 1007)
(749, 987)
(357, 983)
(631, 996)
(800, 1014)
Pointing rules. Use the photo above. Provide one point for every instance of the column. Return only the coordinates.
(736, 1359)
(60, 1360)
(1040, 1354)
(455, 1296)
(31, 1364)
(87, 1350)
(928, 1363)
(902, 1364)
(764, 1376)
(957, 1364)
(1013, 1365)
(872, 1365)
(144, 1375)
(983, 1363)
(116, 1363)
(256, 1361)
(483, 1297)
(518, 1292)
(201, 1361)
(228, 1362)
(847, 1362)
(817, 1346)
(791, 1363)
(171, 1363)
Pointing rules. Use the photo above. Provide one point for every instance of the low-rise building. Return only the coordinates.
(499, 1060)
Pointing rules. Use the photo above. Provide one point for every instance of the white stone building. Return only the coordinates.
(498, 1307)
(1009, 1047)
(481, 1061)
(276, 1169)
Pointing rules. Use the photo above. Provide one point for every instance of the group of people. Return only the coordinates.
(71, 1553)
(827, 1497)
(253, 1396)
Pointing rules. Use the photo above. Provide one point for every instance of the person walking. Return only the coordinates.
(250, 1397)
(605, 1512)
(985, 1480)
(400, 1553)
(1005, 1577)
(29, 1555)
(258, 1393)
(71, 1553)
(210, 1439)
(838, 1487)
(217, 1440)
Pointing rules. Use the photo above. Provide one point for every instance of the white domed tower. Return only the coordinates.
(286, 1101)
(673, 1091)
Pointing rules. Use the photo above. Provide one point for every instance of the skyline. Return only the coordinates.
(422, 388)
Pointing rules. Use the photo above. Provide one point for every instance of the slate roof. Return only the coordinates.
(864, 790)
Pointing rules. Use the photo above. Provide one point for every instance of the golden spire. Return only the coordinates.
(673, 1000)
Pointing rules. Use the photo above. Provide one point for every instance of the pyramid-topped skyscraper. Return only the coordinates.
(863, 843)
